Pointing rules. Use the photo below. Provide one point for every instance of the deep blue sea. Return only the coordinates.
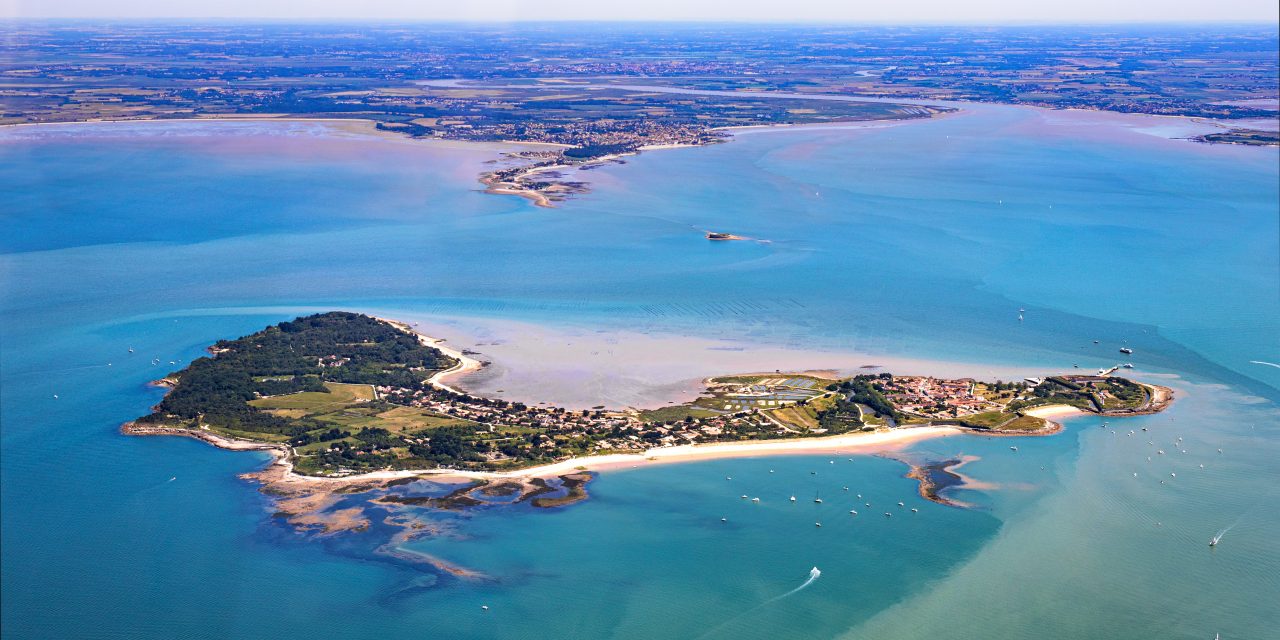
(913, 243)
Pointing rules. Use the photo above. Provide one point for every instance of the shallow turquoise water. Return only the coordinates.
(915, 241)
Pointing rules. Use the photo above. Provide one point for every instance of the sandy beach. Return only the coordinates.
(1053, 411)
(281, 471)
(534, 196)
(466, 364)
(859, 443)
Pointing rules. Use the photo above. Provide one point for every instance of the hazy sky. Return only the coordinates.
(944, 11)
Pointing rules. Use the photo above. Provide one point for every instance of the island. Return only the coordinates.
(722, 236)
(346, 402)
(1248, 137)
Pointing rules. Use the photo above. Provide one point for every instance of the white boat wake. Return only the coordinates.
(1269, 364)
(1218, 536)
(814, 574)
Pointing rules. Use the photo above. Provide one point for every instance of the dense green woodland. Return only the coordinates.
(863, 389)
(288, 358)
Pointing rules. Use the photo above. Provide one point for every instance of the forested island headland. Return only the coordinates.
(347, 400)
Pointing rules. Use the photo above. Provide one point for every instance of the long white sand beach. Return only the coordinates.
(853, 443)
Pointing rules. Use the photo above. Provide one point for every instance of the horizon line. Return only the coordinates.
(1189, 22)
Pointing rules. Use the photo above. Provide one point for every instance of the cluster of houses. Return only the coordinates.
(607, 430)
(936, 397)
(331, 361)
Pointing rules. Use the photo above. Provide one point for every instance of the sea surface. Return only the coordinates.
(910, 247)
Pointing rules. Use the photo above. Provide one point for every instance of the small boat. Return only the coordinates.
(484, 607)
(817, 524)
(853, 512)
(888, 515)
(1126, 350)
(818, 500)
(130, 349)
(901, 504)
(724, 519)
(755, 499)
(1013, 448)
(744, 496)
(914, 510)
(846, 488)
(793, 498)
(1128, 365)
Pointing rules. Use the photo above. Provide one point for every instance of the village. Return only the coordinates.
(730, 409)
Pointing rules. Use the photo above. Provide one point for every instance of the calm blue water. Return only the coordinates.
(916, 241)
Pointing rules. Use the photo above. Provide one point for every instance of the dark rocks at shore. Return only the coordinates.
(935, 478)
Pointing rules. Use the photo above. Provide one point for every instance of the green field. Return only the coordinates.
(803, 417)
(987, 419)
(351, 407)
(677, 413)
(1024, 423)
(339, 396)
